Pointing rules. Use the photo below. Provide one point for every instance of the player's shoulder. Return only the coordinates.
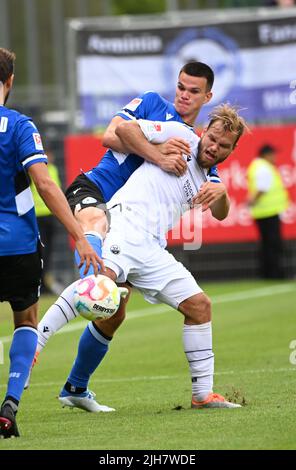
(16, 119)
(187, 131)
(153, 96)
(14, 115)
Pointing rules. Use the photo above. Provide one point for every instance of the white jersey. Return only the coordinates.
(154, 199)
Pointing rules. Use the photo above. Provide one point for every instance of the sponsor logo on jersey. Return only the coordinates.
(115, 249)
(168, 116)
(38, 141)
(134, 104)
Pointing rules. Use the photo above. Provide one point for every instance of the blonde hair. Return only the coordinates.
(230, 119)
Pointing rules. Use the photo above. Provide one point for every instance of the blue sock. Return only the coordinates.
(91, 350)
(21, 355)
(96, 242)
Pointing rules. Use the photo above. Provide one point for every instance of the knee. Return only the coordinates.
(203, 309)
(110, 325)
(197, 310)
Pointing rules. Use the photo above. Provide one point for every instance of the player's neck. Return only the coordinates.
(190, 120)
(2, 96)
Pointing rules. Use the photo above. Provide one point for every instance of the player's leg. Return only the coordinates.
(94, 223)
(24, 303)
(92, 348)
(84, 199)
(168, 281)
(88, 206)
(57, 316)
(197, 342)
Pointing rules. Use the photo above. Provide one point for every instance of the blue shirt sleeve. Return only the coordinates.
(29, 144)
(213, 175)
(140, 107)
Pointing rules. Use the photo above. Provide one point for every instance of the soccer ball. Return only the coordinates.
(96, 297)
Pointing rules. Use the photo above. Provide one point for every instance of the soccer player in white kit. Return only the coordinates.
(134, 250)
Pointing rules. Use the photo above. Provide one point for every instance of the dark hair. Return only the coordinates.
(199, 69)
(266, 150)
(7, 60)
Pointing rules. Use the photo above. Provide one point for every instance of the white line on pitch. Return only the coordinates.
(218, 299)
(170, 377)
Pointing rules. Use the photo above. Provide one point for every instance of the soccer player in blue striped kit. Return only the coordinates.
(21, 158)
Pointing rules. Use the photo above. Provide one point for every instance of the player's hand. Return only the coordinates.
(174, 152)
(208, 194)
(175, 145)
(173, 163)
(89, 257)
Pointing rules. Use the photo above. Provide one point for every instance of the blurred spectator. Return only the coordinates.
(46, 223)
(280, 3)
(268, 198)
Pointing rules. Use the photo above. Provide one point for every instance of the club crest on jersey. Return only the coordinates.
(115, 249)
(133, 105)
(38, 141)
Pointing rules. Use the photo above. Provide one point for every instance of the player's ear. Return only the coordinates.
(9, 81)
(203, 131)
(208, 97)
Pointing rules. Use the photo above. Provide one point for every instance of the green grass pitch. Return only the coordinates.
(145, 377)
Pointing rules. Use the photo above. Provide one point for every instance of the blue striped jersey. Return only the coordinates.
(20, 147)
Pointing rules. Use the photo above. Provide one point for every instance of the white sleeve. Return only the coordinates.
(263, 179)
(158, 132)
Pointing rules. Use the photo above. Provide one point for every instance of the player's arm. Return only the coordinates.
(111, 139)
(58, 205)
(169, 153)
(138, 136)
(213, 196)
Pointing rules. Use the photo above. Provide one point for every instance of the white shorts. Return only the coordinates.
(136, 256)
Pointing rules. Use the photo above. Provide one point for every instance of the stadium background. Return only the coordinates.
(50, 50)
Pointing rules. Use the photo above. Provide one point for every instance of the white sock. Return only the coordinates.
(58, 315)
(197, 341)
